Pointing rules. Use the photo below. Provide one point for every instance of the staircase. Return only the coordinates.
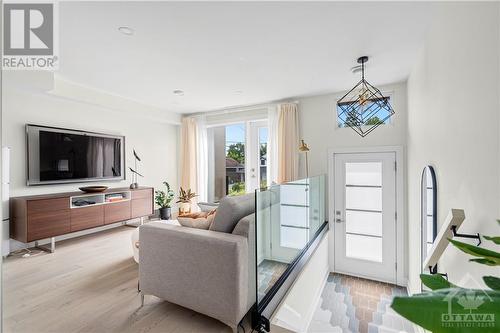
(355, 305)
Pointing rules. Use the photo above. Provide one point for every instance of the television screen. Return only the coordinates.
(60, 156)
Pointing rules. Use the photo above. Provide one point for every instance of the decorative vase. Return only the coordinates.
(165, 213)
(184, 208)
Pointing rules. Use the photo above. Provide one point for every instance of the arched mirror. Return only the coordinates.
(429, 211)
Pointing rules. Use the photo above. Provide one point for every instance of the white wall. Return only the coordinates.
(318, 127)
(453, 125)
(33, 97)
(297, 308)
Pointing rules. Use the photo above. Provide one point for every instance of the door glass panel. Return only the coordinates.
(364, 247)
(294, 216)
(235, 159)
(368, 223)
(363, 210)
(295, 238)
(369, 173)
(364, 198)
(294, 194)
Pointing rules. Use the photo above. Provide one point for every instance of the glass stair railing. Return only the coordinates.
(290, 218)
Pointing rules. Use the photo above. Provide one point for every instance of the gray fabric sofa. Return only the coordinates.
(208, 271)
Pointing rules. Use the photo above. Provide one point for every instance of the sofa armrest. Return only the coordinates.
(202, 270)
(246, 228)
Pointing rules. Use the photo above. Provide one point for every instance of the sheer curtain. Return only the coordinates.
(272, 145)
(194, 164)
(288, 142)
(202, 156)
(189, 135)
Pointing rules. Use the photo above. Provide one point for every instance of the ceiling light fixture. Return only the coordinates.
(178, 92)
(126, 30)
(356, 69)
(364, 108)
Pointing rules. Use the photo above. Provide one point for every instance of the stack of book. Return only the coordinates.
(115, 197)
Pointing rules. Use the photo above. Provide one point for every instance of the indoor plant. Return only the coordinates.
(163, 200)
(185, 200)
(450, 308)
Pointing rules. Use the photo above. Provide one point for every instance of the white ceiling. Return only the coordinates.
(266, 51)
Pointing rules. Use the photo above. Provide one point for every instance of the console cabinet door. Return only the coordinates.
(142, 203)
(48, 224)
(47, 218)
(116, 212)
(141, 207)
(87, 217)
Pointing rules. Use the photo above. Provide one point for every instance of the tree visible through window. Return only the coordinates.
(235, 159)
(382, 117)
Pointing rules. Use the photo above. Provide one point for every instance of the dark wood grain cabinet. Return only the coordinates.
(116, 212)
(87, 217)
(44, 216)
(48, 224)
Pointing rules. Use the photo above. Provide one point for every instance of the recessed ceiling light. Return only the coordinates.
(178, 92)
(126, 31)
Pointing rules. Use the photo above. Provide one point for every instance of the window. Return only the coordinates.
(382, 117)
(237, 162)
(235, 159)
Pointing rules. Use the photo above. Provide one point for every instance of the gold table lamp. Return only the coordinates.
(304, 148)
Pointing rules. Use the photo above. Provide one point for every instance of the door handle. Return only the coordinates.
(337, 220)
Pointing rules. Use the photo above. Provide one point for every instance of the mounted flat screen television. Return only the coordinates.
(57, 155)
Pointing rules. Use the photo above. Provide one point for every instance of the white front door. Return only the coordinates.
(365, 215)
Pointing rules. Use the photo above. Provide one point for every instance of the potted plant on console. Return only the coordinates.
(185, 201)
(163, 200)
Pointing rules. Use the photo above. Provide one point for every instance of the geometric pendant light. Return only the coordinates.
(364, 108)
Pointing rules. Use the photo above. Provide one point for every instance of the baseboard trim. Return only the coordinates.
(366, 277)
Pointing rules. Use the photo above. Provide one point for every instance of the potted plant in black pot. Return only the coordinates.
(163, 201)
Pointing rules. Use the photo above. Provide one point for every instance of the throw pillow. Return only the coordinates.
(199, 220)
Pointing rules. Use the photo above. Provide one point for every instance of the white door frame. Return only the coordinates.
(401, 227)
(252, 158)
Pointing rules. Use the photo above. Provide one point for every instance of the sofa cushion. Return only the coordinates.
(232, 209)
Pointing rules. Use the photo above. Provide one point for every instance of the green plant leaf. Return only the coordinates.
(485, 261)
(492, 282)
(435, 281)
(430, 310)
(476, 251)
(495, 240)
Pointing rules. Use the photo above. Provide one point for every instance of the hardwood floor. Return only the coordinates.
(89, 285)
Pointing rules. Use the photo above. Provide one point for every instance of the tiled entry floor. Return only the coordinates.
(357, 305)
(269, 271)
